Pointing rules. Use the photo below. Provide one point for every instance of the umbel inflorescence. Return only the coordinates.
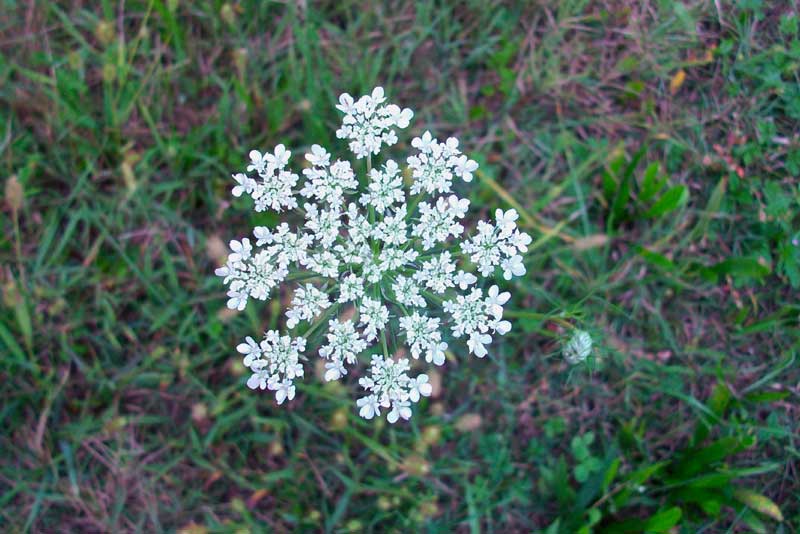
(380, 269)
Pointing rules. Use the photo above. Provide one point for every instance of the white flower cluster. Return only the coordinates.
(274, 363)
(368, 123)
(390, 387)
(370, 279)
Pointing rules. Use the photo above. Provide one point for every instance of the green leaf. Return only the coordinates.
(609, 177)
(717, 402)
(636, 479)
(753, 522)
(654, 258)
(765, 396)
(623, 193)
(13, 347)
(740, 268)
(669, 201)
(650, 183)
(759, 503)
(712, 208)
(709, 500)
(712, 480)
(554, 527)
(618, 207)
(696, 460)
(610, 473)
(664, 520)
(581, 473)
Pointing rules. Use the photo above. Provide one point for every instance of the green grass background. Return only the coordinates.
(651, 147)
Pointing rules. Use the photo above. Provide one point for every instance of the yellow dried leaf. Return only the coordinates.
(469, 422)
(759, 503)
(216, 249)
(435, 380)
(677, 81)
(416, 466)
(192, 528)
(14, 193)
(590, 241)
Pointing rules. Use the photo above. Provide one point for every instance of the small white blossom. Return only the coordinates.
(400, 409)
(436, 354)
(334, 370)
(463, 280)
(318, 157)
(469, 313)
(438, 222)
(273, 189)
(436, 164)
(250, 349)
(244, 184)
(359, 228)
(495, 301)
(274, 364)
(476, 343)
(437, 273)
(506, 221)
(368, 407)
(240, 250)
(283, 390)
(512, 267)
(307, 303)
(385, 188)
(368, 123)
(422, 334)
(393, 230)
(285, 245)
(419, 387)
(392, 258)
(373, 316)
(497, 245)
(351, 288)
(464, 167)
(328, 183)
(325, 263)
(475, 316)
(351, 252)
(390, 387)
(250, 276)
(406, 291)
(323, 224)
(344, 343)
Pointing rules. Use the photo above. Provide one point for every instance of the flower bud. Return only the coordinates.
(578, 348)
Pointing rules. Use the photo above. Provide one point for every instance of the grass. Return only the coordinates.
(651, 149)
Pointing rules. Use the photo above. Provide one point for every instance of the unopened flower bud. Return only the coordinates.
(578, 348)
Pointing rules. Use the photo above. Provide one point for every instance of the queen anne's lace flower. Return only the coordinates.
(376, 278)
